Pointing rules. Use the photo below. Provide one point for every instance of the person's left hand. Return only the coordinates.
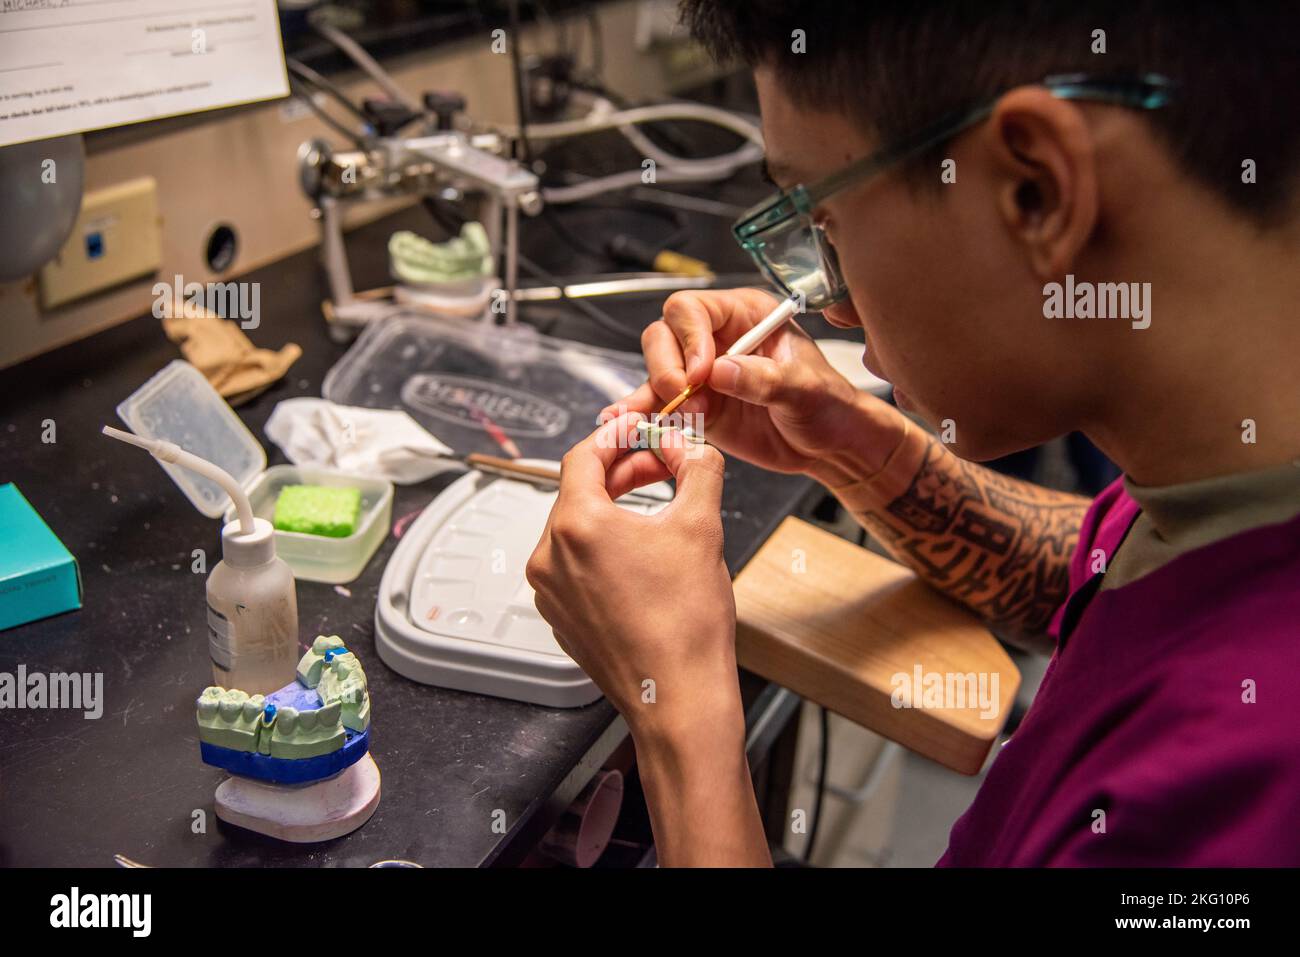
(643, 602)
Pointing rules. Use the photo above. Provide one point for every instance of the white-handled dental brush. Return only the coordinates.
(745, 344)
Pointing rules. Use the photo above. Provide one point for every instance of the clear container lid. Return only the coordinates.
(179, 405)
(468, 381)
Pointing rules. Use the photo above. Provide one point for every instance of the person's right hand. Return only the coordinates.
(782, 407)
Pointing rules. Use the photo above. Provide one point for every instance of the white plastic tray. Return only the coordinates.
(455, 609)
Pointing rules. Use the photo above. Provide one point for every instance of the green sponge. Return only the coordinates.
(318, 510)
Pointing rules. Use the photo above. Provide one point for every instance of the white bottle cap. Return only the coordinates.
(245, 550)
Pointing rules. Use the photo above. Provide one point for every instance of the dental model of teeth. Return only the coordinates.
(324, 715)
(230, 719)
(299, 758)
(343, 685)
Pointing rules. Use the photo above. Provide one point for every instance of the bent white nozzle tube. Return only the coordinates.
(173, 453)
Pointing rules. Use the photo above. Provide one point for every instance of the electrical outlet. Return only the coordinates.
(117, 237)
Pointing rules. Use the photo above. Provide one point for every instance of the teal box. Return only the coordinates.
(38, 575)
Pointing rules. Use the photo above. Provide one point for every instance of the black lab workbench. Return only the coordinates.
(76, 792)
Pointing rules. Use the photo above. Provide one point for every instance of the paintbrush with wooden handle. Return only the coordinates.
(538, 474)
(744, 345)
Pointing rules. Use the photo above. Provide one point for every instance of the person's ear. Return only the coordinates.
(1046, 165)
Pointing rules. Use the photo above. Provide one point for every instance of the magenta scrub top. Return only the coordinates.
(1146, 714)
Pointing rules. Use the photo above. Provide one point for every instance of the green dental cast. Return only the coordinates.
(230, 718)
(340, 679)
(416, 260)
(313, 662)
(305, 734)
(344, 683)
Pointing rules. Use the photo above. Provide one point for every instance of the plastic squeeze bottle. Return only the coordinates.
(252, 597)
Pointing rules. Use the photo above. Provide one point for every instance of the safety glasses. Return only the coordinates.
(791, 247)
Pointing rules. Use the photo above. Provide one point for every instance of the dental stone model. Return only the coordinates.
(343, 683)
(230, 719)
(297, 753)
(414, 259)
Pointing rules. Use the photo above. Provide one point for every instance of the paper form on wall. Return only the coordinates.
(67, 66)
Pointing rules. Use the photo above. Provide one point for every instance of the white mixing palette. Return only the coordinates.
(455, 609)
(470, 580)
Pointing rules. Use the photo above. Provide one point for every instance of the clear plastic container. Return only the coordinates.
(179, 405)
(454, 377)
(319, 558)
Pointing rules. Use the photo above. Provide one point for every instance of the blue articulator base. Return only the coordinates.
(263, 767)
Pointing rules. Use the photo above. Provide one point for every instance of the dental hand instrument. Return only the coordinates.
(744, 345)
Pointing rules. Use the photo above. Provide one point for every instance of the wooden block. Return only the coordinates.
(848, 629)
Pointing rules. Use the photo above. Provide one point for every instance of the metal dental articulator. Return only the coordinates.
(449, 164)
(446, 163)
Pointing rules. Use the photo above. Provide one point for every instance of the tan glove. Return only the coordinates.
(218, 348)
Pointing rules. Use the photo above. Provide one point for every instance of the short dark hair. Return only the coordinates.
(897, 65)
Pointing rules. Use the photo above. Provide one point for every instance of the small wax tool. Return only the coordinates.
(744, 345)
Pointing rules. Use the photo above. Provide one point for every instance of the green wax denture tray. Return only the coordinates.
(318, 510)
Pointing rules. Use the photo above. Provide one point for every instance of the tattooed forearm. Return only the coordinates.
(999, 545)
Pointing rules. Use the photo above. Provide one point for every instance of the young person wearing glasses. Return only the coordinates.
(949, 174)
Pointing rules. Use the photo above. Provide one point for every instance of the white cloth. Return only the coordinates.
(383, 443)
